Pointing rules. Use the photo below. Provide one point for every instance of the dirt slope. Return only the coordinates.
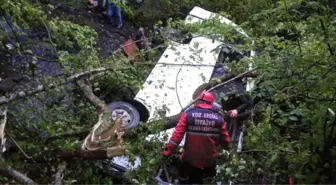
(110, 38)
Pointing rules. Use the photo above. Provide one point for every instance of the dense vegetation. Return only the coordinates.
(293, 134)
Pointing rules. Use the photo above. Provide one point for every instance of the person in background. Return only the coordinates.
(92, 4)
(113, 8)
(205, 130)
(96, 5)
(141, 40)
(236, 104)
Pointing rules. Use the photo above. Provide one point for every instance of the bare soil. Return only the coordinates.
(110, 37)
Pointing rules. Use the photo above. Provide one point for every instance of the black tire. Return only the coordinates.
(134, 119)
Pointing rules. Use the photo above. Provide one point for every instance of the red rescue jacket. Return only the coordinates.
(204, 130)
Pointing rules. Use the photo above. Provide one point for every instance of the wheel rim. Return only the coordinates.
(126, 117)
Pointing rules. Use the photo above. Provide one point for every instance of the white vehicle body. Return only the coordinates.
(181, 69)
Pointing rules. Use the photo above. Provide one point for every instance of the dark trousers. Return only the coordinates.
(111, 9)
(189, 174)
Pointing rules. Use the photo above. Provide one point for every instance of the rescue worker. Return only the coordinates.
(205, 130)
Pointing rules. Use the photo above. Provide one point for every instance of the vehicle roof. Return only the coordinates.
(198, 14)
(180, 70)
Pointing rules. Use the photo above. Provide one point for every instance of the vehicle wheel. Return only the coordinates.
(130, 116)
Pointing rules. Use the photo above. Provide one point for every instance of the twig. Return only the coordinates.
(41, 58)
(70, 134)
(2, 130)
(49, 36)
(332, 127)
(59, 174)
(166, 172)
(250, 151)
(31, 133)
(327, 38)
(183, 64)
(27, 156)
(177, 95)
(18, 146)
(325, 130)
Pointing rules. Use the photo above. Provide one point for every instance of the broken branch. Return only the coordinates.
(105, 138)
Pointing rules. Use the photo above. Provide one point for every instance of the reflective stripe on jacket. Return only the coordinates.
(204, 130)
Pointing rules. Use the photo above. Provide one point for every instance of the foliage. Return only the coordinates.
(150, 154)
(151, 11)
(296, 91)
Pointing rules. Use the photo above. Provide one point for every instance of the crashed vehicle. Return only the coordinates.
(182, 68)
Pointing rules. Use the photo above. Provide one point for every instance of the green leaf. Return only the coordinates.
(293, 118)
(152, 161)
(241, 167)
(273, 158)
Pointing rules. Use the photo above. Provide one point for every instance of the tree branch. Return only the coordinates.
(239, 76)
(11, 173)
(3, 120)
(87, 90)
(49, 36)
(217, 81)
(251, 151)
(327, 38)
(78, 133)
(59, 174)
(40, 88)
